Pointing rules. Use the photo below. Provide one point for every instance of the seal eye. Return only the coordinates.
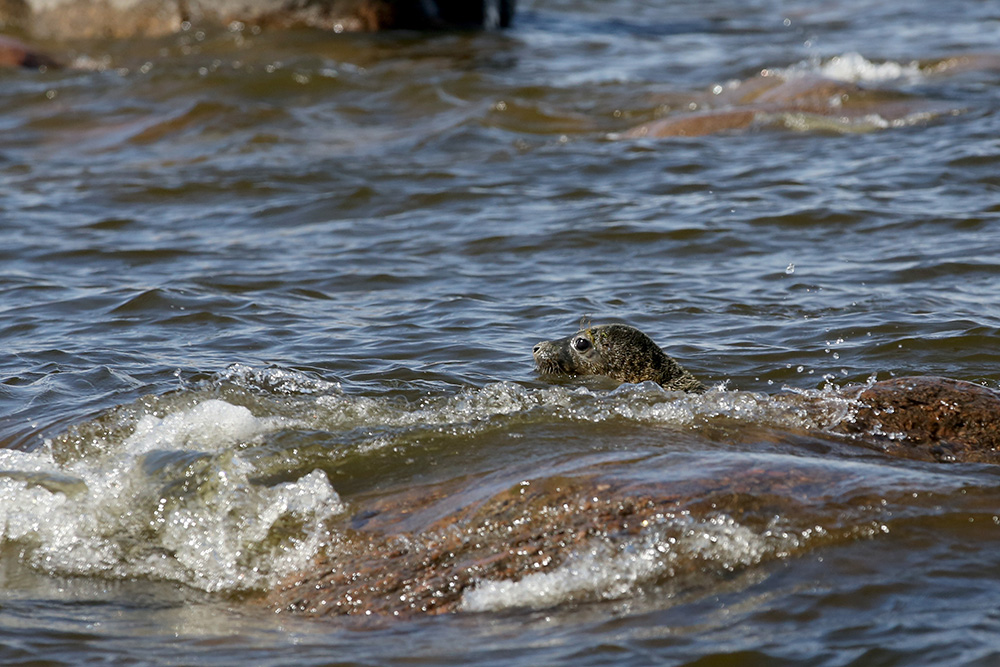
(581, 344)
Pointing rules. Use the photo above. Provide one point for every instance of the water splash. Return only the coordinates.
(612, 571)
(174, 500)
(852, 67)
(855, 68)
(173, 486)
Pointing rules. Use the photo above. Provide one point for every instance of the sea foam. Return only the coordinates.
(175, 500)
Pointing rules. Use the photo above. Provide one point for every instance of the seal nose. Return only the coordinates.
(536, 349)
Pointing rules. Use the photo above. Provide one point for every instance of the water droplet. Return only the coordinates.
(790, 269)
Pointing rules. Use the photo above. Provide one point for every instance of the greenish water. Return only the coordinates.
(251, 284)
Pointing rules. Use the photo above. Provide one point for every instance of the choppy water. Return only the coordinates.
(254, 285)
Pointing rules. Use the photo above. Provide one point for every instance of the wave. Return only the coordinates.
(237, 486)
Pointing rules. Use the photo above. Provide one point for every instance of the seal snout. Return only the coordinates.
(544, 350)
(546, 356)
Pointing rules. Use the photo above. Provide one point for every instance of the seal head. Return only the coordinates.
(618, 351)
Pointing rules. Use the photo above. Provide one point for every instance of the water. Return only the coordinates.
(272, 297)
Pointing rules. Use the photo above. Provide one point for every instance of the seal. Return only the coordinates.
(429, 548)
(925, 418)
(618, 351)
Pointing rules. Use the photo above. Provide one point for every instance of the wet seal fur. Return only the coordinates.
(618, 351)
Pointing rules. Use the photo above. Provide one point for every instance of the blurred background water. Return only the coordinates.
(243, 257)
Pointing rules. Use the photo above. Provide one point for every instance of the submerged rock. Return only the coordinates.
(805, 100)
(601, 531)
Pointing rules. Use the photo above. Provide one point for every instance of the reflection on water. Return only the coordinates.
(269, 302)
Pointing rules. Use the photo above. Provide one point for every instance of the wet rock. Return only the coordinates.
(73, 19)
(14, 53)
(928, 418)
(919, 417)
(436, 549)
(395, 561)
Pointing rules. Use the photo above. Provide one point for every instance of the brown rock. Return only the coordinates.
(422, 550)
(397, 561)
(929, 418)
(86, 19)
(14, 53)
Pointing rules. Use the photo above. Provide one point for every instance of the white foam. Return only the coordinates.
(211, 425)
(608, 571)
(278, 380)
(646, 402)
(381, 423)
(174, 500)
(220, 542)
(468, 407)
(856, 68)
(852, 67)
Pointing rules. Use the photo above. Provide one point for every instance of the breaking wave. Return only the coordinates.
(195, 485)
